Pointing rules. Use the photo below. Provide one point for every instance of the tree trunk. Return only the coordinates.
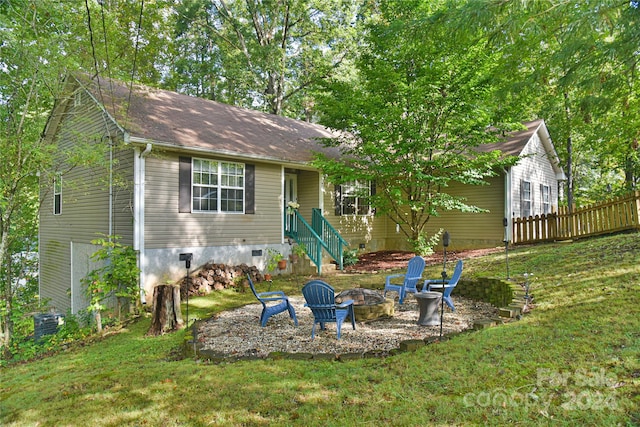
(7, 295)
(167, 316)
(98, 317)
(7, 330)
(567, 112)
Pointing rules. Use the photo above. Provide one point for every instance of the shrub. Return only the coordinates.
(423, 245)
(118, 277)
(349, 257)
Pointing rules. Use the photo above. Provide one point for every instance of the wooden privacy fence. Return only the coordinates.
(615, 215)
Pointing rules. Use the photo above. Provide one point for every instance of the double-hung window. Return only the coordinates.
(545, 194)
(525, 202)
(355, 198)
(57, 194)
(217, 186)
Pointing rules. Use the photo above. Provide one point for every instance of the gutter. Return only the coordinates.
(303, 165)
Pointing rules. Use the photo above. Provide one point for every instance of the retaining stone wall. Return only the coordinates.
(498, 293)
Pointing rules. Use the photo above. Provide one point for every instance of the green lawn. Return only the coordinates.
(575, 360)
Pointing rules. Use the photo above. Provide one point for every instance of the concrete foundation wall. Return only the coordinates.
(164, 265)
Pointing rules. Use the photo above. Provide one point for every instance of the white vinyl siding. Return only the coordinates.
(534, 167)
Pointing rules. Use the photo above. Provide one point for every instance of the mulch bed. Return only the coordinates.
(390, 260)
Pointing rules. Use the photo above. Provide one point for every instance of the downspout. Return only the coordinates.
(138, 213)
(38, 174)
(508, 199)
(146, 151)
(110, 232)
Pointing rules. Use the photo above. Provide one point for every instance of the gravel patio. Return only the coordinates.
(237, 333)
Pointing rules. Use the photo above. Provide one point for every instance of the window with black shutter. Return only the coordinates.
(207, 185)
(354, 198)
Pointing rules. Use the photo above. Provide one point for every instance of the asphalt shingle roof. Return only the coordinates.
(184, 121)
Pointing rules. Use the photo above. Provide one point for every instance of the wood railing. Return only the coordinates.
(612, 216)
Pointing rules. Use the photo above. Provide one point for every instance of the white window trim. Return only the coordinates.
(546, 204)
(57, 194)
(526, 200)
(77, 99)
(357, 187)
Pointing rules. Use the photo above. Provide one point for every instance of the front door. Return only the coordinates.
(290, 195)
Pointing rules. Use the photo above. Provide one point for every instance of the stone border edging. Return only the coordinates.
(192, 350)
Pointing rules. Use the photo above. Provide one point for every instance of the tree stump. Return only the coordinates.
(167, 316)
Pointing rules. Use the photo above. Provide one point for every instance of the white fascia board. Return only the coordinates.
(550, 149)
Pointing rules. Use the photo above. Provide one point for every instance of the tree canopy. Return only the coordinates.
(573, 64)
(415, 114)
(260, 54)
(27, 90)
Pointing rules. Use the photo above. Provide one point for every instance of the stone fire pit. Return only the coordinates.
(367, 303)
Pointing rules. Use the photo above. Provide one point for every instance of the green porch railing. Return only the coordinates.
(315, 237)
(299, 229)
(334, 243)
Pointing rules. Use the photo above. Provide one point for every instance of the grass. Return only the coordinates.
(574, 360)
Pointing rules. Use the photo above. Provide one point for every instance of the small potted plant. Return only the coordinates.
(292, 206)
(297, 251)
(275, 259)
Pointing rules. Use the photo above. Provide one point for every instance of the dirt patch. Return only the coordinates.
(393, 260)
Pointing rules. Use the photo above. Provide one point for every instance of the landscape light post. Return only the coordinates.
(445, 244)
(505, 222)
(187, 257)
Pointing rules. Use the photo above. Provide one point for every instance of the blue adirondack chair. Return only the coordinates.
(409, 279)
(448, 285)
(269, 309)
(320, 299)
